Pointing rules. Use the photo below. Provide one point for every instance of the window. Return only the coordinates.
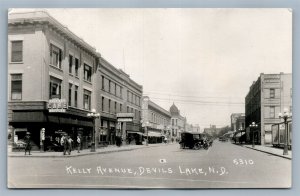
(55, 88)
(76, 96)
(76, 66)
(121, 91)
(115, 108)
(109, 103)
(102, 104)
(55, 56)
(272, 93)
(272, 111)
(16, 51)
(87, 100)
(70, 94)
(173, 122)
(16, 86)
(102, 82)
(120, 107)
(87, 73)
(70, 63)
(115, 88)
(127, 109)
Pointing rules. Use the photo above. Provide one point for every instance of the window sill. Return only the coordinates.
(57, 68)
(87, 82)
(71, 74)
(21, 62)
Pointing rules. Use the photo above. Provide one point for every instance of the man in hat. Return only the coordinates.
(28, 143)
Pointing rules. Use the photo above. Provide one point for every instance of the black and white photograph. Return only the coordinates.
(149, 98)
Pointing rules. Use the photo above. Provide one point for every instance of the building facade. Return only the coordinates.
(119, 94)
(178, 122)
(157, 120)
(269, 95)
(237, 121)
(49, 64)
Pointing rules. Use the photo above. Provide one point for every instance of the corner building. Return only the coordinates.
(47, 61)
(269, 95)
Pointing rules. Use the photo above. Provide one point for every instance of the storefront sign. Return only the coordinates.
(125, 117)
(57, 105)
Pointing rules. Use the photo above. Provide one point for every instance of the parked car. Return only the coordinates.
(193, 140)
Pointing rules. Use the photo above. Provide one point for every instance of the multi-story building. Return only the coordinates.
(55, 79)
(157, 120)
(178, 122)
(119, 94)
(269, 95)
(237, 121)
(51, 78)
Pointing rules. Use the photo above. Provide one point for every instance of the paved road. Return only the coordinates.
(224, 165)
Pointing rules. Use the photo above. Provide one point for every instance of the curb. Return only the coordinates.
(268, 152)
(79, 155)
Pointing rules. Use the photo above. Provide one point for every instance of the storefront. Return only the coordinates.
(73, 122)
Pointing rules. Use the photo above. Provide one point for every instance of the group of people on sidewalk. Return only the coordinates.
(67, 142)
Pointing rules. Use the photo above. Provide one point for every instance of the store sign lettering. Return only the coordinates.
(57, 105)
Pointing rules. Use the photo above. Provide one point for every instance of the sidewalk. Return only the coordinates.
(271, 150)
(74, 153)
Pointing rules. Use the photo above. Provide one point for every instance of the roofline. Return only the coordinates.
(44, 16)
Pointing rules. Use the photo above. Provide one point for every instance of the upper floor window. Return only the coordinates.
(272, 111)
(70, 94)
(16, 86)
(16, 51)
(76, 96)
(87, 73)
(102, 103)
(87, 99)
(102, 82)
(70, 63)
(55, 88)
(76, 66)
(55, 56)
(272, 93)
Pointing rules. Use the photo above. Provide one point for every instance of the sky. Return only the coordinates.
(202, 60)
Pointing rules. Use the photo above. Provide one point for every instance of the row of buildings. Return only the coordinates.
(268, 96)
(55, 79)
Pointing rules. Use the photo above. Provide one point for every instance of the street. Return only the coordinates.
(224, 165)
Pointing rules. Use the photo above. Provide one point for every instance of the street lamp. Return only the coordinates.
(285, 116)
(253, 125)
(93, 115)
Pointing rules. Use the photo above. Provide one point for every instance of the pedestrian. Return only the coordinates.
(64, 143)
(70, 142)
(28, 143)
(78, 140)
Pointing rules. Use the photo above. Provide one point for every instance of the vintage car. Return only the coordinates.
(193, 140)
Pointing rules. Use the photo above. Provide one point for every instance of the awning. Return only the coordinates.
(154, 134)
(139, 133)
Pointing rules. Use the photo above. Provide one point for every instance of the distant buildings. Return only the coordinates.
(178, 122)
(156, 119)
(269, 95)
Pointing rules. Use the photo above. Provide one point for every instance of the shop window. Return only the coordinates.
(87, 73)
(16, 86)
(87, 100)
(55, 56)
(16, 51)
(55, 88)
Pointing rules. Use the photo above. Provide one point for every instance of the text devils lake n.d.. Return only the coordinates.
(143, 171)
